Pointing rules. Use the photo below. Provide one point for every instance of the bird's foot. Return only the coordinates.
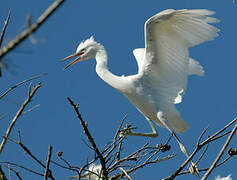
(194, 170)
(127, 130)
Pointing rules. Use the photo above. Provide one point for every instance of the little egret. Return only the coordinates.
(94, 172)
(223, 178)
(163, 66)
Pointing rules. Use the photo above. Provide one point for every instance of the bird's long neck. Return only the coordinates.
(103, 72)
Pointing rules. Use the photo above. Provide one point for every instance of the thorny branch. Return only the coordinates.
(18, 114)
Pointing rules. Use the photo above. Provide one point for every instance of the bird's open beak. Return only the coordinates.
(76, 60)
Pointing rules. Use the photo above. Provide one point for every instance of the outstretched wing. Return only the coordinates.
(168, 36)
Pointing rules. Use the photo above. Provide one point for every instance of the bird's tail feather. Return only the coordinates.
(170, 116)
(177, 123)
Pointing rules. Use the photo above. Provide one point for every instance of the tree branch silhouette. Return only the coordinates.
(18, 114)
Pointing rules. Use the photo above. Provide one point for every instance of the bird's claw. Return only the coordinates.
(126, 130)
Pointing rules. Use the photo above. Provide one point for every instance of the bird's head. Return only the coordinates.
(86, 50)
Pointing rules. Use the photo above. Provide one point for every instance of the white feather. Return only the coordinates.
(163, 65)
(167, 64)
(223, 178)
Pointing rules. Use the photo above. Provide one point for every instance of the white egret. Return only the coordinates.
(223, 178)
(94, 172)
(163, 66)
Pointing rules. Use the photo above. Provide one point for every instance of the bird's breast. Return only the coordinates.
(143, 101)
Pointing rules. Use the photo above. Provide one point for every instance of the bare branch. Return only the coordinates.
(200, 157)
(27, 151)
(20, 166)
(221, 153)
(4, 28)
(18, 114)
(199, 146)
(16, 172)
(20, 83)
(2, 36)
(21, 37)
(125, 173)
(2, 174)
(46, 174)
(3, 116)
(91, 140)
(218, 132)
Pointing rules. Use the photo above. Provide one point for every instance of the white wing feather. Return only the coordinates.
(168, 35)
(139, 55)
(164, 63)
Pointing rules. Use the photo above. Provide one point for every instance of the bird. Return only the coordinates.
(223, 178)
(164, 65)
(94, 172)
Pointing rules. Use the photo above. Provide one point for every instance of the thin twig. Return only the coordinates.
(20, 166)
(20, 83)
(21, 37)
(221, 153)
(200, 157)
(206, 169)
(91, 140)
(218, 132)
(125, 173)
(3, 116)
(116, 138)
(46, 173)
(27, 151)
(202, 134)
(31, 109)
(16, 172)
(197, 148)
(4, 28)
(2, 174)
(18, 114)
(2, 36)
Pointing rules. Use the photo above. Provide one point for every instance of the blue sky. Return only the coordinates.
(118, 25)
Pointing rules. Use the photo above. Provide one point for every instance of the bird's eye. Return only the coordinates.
(83, 50)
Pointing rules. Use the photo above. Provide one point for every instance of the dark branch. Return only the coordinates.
(20, 83)
(18, 114)
(221, 153)
(4, 28)
(46, 174)
(21, 37)
(91, 140)
(2, 174)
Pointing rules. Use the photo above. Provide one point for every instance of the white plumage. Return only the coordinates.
(223, 178)
(163, 65)
(94, 172)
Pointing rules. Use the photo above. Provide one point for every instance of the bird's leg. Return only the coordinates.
(193, 168)
(127, 131)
